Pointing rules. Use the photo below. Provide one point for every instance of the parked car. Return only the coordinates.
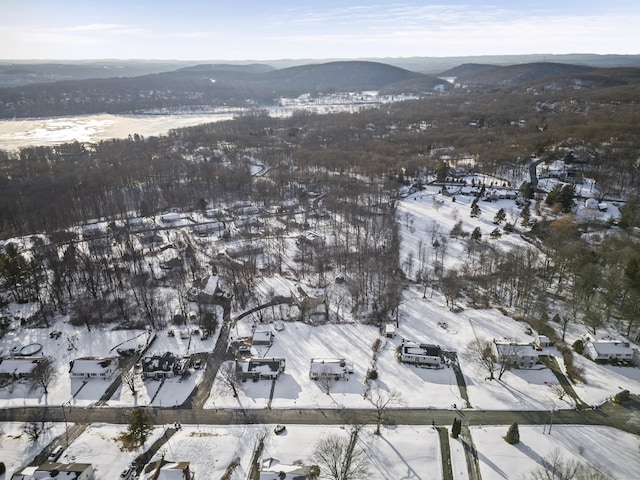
(279, 429)
(55, 454)
(127, 474)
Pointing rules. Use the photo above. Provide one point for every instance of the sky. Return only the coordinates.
(303, 29)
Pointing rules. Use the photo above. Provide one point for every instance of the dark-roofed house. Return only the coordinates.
(64, 471)
(260, 368)
(420, 353)
(163, 366)
(93, 367)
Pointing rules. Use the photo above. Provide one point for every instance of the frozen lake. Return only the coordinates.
(92, 128)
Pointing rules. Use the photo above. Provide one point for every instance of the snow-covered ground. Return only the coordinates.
(401, 452)
(409, 452)
(611, 451)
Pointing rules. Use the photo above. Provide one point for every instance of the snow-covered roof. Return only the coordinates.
(421, 349)
(61, 471)
(330, 366)
(164, 470)
(89, 365)
(212, 285)
(516, 348)
(19, 365)
(262, 336)
(605, 347)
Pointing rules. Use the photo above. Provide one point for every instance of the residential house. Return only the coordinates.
(165, 470)
(168, 258)
(260, 368)
(608, 350)
(208, 228)
(93, 367)
(25, 473)
(18, 367)
(64, 471)
(262, 337)
(420, 353)
(272, 469)
(171, 218)
(163, 366)
(338, 368)
(518, 354)
(242, 249)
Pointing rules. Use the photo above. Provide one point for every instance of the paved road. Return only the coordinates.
(624, 417)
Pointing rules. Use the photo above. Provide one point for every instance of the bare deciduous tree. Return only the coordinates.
(382, 401)
(327, 380)
(33, 430)
(480, 350)
(556, 467)
(42, 375)
(129, 379)
(228, 380)
(339, 458)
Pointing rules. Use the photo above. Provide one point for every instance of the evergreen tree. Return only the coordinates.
(456, 428)
(513, 435)
(476, 234)
(500, 217)
(525, 214)
(139, 430)
(475, 209)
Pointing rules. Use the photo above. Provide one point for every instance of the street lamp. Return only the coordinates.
(551, 419)
(66, 427)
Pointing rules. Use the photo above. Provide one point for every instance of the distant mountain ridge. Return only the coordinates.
(206, 85)
(236, 85)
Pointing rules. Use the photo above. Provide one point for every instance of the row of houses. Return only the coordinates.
(270, 368)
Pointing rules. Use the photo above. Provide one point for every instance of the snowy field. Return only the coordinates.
(613, 452)
(402, 452)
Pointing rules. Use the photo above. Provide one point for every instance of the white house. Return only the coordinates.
(338, 368)
(420, 353)
(18, 367)
(520, 355)
(262, 337)
(272, 469)
(607, 350)
(93, 367)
